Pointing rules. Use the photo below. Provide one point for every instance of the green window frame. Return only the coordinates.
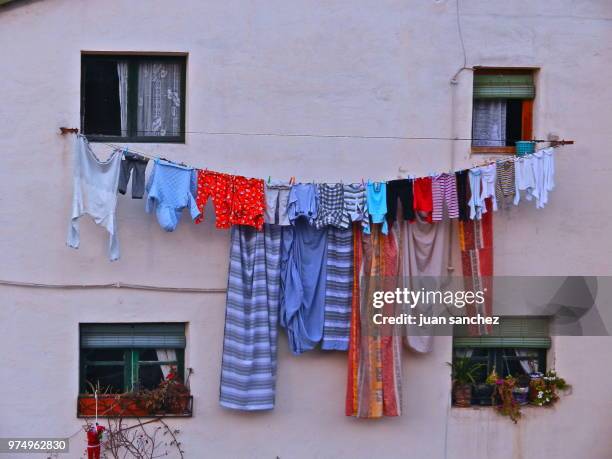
(133, 61)
(132, 342)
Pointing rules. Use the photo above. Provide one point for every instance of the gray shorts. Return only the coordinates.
(136, 166)
(277, 200)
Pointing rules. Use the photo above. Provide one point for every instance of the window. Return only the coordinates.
(502, 110)
(118, 358)
(133, 98)
(516, 347)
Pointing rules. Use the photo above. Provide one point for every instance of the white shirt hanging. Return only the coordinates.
(95, 185)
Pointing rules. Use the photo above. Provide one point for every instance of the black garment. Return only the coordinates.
(402, 190)
(135, 165)
(463, 194)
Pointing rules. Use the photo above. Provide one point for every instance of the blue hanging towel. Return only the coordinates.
(248, 368)
(338, 289)
(303, 278)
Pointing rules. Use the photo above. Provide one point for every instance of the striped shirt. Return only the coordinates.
(355, 206)
(504, 185)
(444, 190)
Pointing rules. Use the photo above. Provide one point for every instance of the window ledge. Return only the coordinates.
(128, 406)
(476, 413)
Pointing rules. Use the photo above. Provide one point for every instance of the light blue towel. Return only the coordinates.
(303, 278)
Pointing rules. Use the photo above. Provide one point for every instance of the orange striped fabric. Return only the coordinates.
(374, 370)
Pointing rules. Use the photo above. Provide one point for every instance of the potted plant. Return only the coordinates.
(484, 393)
(545, 389)
(462, 374)
(508, 406)
(521, 391)
(102, 401)
(535, 379)
(171, 396)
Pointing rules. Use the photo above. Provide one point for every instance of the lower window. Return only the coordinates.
(506, 361)
(517, 347)
(123, 363)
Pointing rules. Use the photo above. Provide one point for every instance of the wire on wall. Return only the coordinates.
(117, 285)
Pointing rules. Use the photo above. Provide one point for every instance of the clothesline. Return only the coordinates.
(239, 200)
(337, 136)
(554, 143)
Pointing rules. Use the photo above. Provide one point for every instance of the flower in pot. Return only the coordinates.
(462, 373)
(536, 379)
(521, 391)
(545, 389)
(508, 406)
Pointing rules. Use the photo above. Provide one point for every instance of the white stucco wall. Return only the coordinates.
(362, 68)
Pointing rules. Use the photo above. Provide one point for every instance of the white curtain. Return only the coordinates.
(166, 355)
(122, 71)
(529, 366)
(159, 99)
(489, 123)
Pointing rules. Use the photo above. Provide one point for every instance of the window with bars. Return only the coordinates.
(118, 358)
(133, 98)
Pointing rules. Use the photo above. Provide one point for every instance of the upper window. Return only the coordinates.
(133, 98)
(119, 358)
(502, 111)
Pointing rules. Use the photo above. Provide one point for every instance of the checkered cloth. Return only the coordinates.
(330, 205)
